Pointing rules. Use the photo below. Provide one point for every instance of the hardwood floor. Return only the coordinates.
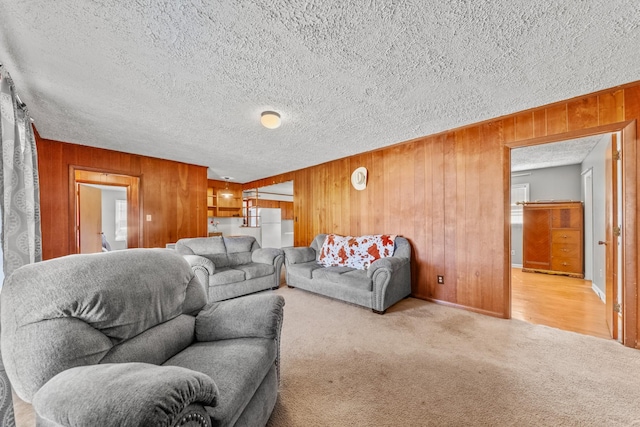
(560, 302)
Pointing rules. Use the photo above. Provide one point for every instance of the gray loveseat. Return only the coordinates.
(385, 282)
(229, 267)
(126, 338)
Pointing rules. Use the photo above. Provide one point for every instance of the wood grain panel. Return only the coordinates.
(539, 123)
(445, 191)
(583, 113)
(556, 119)
(630, 230)
(631, 102)
(524, 126)
(509, 129)
(611, 107)
(420, 240)
(167, 193)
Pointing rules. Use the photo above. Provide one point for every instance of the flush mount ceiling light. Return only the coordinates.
(270, 119)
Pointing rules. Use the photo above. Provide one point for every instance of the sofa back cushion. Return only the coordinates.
(239, 249)
(213, 248)
(72, 311)
(317, 243)
(356, 252)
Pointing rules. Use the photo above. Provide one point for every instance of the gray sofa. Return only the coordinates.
(385, 282)
(229, 267)
(126, 338)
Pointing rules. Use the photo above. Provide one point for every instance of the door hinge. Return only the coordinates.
(617, 231)
(617, 308)
(617, 156)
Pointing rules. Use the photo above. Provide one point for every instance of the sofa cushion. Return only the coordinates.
(345, 276)
(240, 244)
(237, 366)
(357, 279)
(226, 275)
(239, 258)
(213, 248)
(239, 249)
(253, 270)
(303, 270)
(357, 252)
(299, 255)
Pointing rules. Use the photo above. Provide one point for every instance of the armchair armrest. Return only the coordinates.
(299, 255)
(196, 261)
(251, 316)
(123, 394)
(267, 255)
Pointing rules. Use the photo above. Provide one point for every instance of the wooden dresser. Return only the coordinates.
(553, 238)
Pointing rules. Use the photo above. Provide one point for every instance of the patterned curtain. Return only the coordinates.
(21, 238)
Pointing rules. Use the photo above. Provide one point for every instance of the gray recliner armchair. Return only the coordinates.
(6, 401)
(126, 338)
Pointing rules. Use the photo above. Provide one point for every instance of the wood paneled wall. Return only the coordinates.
(173, 193)
(448, 194)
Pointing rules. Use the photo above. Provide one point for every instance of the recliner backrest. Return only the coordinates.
(80, 309)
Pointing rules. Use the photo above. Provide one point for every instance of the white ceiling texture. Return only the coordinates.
(187, 79)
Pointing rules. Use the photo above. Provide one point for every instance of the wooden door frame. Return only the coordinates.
(113, 178)
(630, 208)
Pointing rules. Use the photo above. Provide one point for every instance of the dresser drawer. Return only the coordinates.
(565, 236)
(566, 264)
(565, 250)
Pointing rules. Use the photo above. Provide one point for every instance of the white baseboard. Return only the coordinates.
(598, 292)
(516, 265)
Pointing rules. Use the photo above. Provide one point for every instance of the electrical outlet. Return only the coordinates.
(513, 251)
(440, 280)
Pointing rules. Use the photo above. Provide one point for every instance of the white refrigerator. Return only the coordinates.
(270, 227)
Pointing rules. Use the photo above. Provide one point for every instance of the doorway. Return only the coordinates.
(102, 218)
(627, 248)
(87, 223)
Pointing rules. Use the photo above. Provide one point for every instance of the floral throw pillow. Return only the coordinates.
(355, 252)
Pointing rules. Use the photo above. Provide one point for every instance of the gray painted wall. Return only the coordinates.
(558, 183)
(596, 162)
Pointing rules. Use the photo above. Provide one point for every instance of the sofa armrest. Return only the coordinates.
(389, 263)
(267, 256)
(251, 316)
(299, 255)
(122, 394)
(197, 261)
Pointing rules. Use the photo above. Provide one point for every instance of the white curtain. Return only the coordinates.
(21, 236)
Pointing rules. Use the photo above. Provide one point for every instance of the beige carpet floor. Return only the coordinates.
(423, 364)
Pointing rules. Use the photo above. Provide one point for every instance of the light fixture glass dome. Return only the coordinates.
(270, 119)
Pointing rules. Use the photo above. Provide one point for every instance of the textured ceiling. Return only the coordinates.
(187, 80)
(570, 152)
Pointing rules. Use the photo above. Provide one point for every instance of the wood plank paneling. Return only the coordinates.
(173, 193)
(556, 119)
(448, 194)
(539, 123)
(583, 113)
(524, 126)
(611, 107)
